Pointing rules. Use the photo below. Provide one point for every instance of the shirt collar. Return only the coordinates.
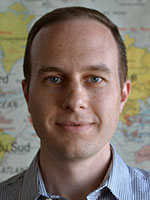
(42, 189)
(41, 186)
(119, 181)
(43, 192)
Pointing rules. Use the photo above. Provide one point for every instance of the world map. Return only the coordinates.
(18, 140)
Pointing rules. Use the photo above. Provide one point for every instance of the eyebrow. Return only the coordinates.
(99, 67)
(45, 69)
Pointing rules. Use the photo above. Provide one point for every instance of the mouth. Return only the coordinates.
(74, 127)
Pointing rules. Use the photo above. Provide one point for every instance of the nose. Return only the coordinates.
(76, 97)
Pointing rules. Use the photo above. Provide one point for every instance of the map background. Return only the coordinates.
(18, 141)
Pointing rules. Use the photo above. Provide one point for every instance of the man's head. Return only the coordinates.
(73, 91)
(70, 13)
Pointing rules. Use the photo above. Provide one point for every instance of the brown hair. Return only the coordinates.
(69, 13)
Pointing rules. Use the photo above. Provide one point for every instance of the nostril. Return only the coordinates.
(75, 98)
(75, 103)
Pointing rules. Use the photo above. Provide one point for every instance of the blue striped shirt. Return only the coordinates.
(123, 183)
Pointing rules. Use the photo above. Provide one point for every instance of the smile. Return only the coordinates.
(74, 127)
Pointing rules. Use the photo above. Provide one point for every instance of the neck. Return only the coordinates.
(80, 177)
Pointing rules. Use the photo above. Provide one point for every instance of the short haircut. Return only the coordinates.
(70, 13)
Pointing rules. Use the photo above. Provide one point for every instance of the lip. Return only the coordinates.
(74, 127)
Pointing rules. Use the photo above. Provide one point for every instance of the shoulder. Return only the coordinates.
(10, 188)
(23, 185)
(140, 181)
(139, 174)
(132, 182)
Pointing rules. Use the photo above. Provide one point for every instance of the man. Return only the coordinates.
(76, 87)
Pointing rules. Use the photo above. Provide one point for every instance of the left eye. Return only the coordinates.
(54, 79)
(95, 79)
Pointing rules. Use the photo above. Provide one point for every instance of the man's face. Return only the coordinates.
(74, 95)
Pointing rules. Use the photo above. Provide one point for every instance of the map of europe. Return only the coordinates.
(18, 140)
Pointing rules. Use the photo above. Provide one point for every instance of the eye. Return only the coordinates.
(95, 79)
(54, 79)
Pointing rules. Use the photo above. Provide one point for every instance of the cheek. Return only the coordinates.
(106, 105)
(43, 114)
(40, 106)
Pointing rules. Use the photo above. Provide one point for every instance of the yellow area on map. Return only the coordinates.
(139, 74)
(6, 142)
(13, 34)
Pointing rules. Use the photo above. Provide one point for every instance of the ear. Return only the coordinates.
(25, 91)
(125, 94)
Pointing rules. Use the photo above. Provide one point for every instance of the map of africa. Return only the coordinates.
(18, 141)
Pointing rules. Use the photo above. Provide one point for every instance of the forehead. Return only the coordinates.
(78, 38)
(83, 27)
